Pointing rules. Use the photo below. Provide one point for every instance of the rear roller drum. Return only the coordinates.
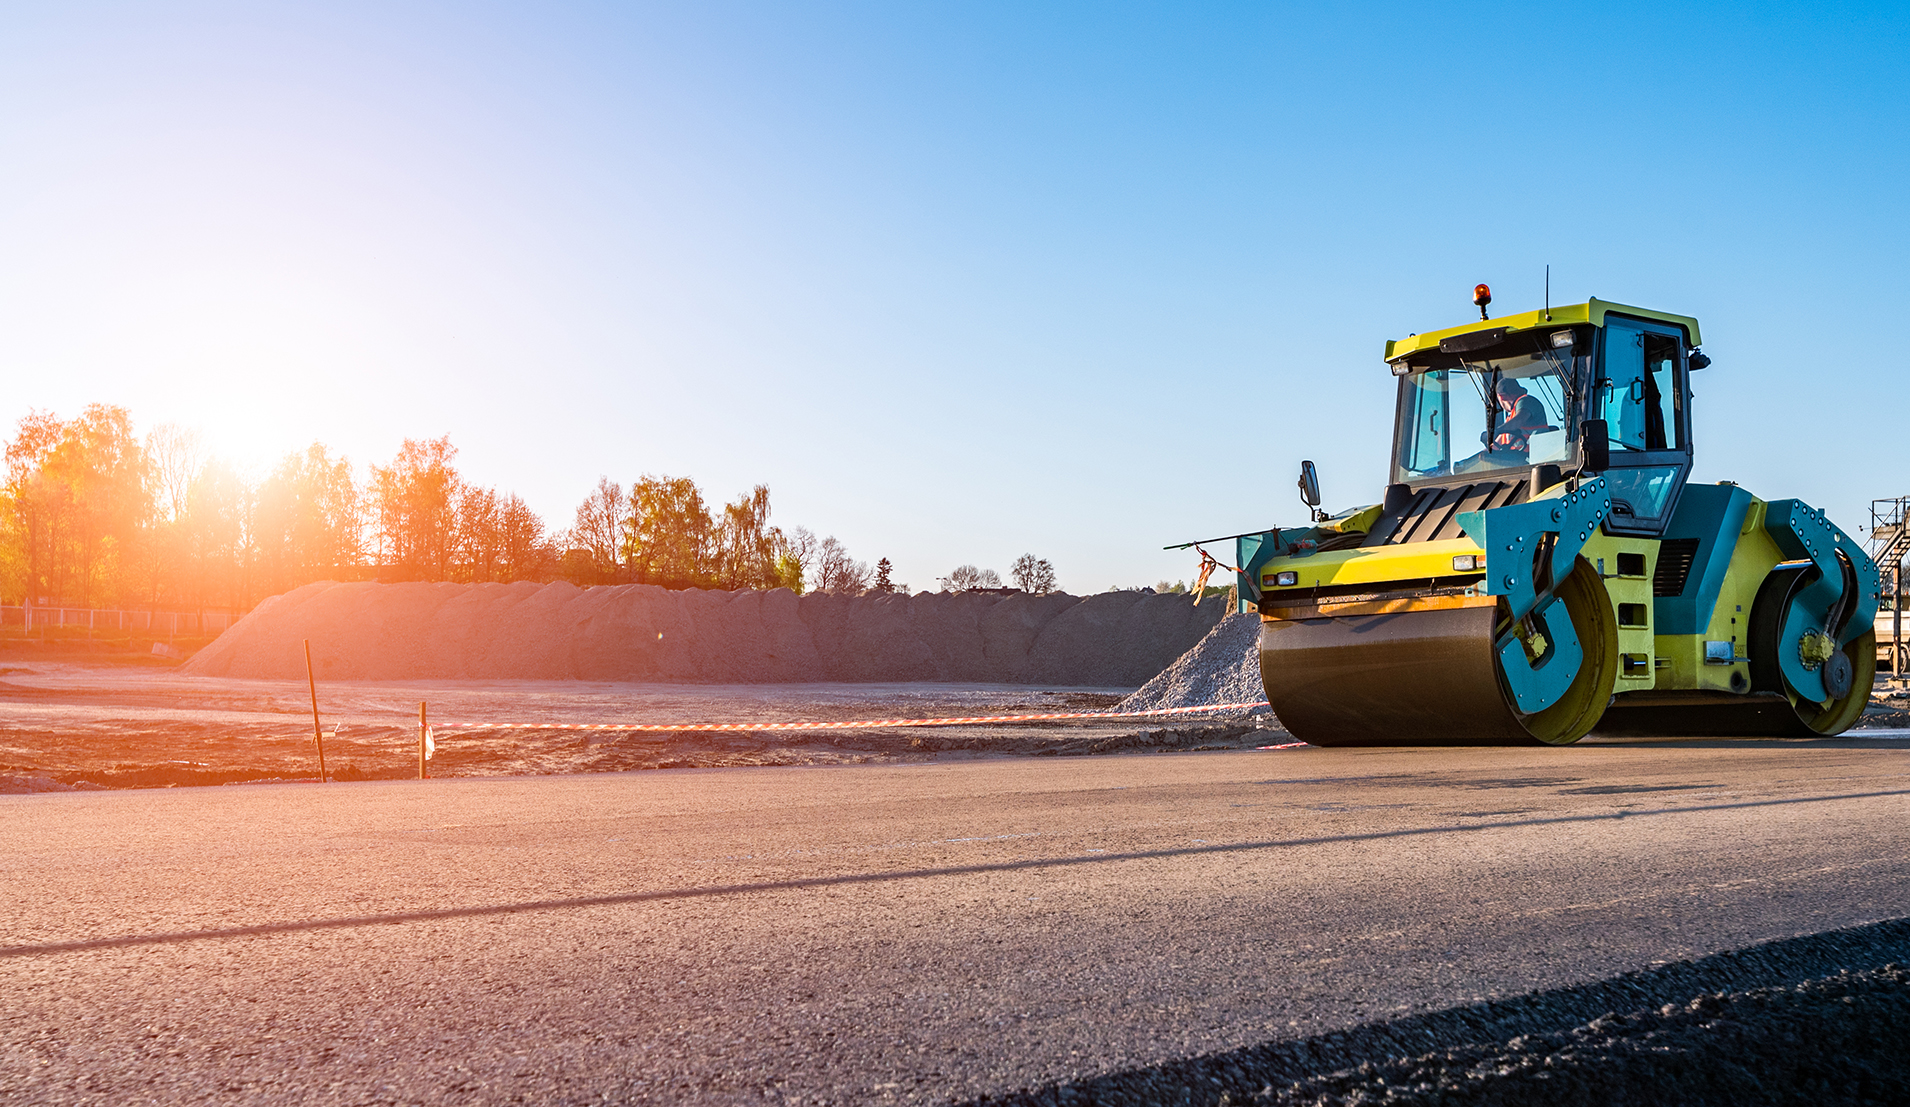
(1771, 708)
(1848, 673)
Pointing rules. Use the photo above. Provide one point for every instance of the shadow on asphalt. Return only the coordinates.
(1816, 1019)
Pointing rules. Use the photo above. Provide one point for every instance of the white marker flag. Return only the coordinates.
(430, 744)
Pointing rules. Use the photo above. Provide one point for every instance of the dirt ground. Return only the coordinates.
(128, 721)
(69, 724)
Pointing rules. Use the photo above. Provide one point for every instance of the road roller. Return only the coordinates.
(1540, 567)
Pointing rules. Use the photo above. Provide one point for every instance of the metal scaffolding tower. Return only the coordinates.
(1889, 543)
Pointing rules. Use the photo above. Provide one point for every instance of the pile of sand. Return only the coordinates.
(1223, 667)
(643, 633)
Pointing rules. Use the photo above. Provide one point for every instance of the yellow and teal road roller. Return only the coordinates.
(1541, 568)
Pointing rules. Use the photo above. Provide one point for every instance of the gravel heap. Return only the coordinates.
(635, 632)
(1817, 1019)
(1223, 667)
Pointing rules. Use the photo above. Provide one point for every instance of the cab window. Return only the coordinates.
(1639, 398)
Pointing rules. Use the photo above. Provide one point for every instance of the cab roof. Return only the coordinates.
(1592, 311)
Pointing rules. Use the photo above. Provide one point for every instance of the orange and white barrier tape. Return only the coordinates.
(858, 724)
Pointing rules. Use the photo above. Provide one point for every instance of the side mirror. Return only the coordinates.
(1698, 360)
(1309, 484)
(1595, 447)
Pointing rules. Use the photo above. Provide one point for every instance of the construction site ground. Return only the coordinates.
(76, 725)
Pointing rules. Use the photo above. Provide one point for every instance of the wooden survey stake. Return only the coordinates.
(424, 731)
(317, 734)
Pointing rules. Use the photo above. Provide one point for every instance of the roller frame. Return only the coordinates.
(1526, 570)
(1801, 532)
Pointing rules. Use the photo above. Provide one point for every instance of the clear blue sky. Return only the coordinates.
(958, 281)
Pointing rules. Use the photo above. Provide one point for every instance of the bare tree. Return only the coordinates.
(217, 508)
(836, 571)
(967, 578)
(1032, 574)
(173, 458)
(961, 579)
(480, 534)
(601, 528)
(526, 548)
(798, 556)
(175, 454)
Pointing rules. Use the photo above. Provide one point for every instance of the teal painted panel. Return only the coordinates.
(1713, 514)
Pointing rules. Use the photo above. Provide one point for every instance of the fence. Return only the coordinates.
(170, 623)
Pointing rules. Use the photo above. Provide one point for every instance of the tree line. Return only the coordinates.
(91, 514)
(1030, 574)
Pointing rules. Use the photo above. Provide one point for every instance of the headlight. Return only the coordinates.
(1279, 580)
(1467, 563)
(1561, 339)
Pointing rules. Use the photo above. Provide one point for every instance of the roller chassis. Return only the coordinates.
(1527, 611)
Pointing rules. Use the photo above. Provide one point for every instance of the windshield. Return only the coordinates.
(1498, 413)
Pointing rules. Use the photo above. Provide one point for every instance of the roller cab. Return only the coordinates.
(1540, 567)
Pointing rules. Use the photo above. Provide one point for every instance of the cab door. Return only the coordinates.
(1641, 394)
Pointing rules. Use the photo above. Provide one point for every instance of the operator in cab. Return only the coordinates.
(1524, 414)
(1506, 444)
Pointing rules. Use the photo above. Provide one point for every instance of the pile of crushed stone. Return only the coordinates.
(1223, 667)
(1817, 1019)
(528, 631)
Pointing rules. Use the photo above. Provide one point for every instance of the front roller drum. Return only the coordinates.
(1430, 677)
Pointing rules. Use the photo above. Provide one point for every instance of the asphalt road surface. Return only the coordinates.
(884, 933)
